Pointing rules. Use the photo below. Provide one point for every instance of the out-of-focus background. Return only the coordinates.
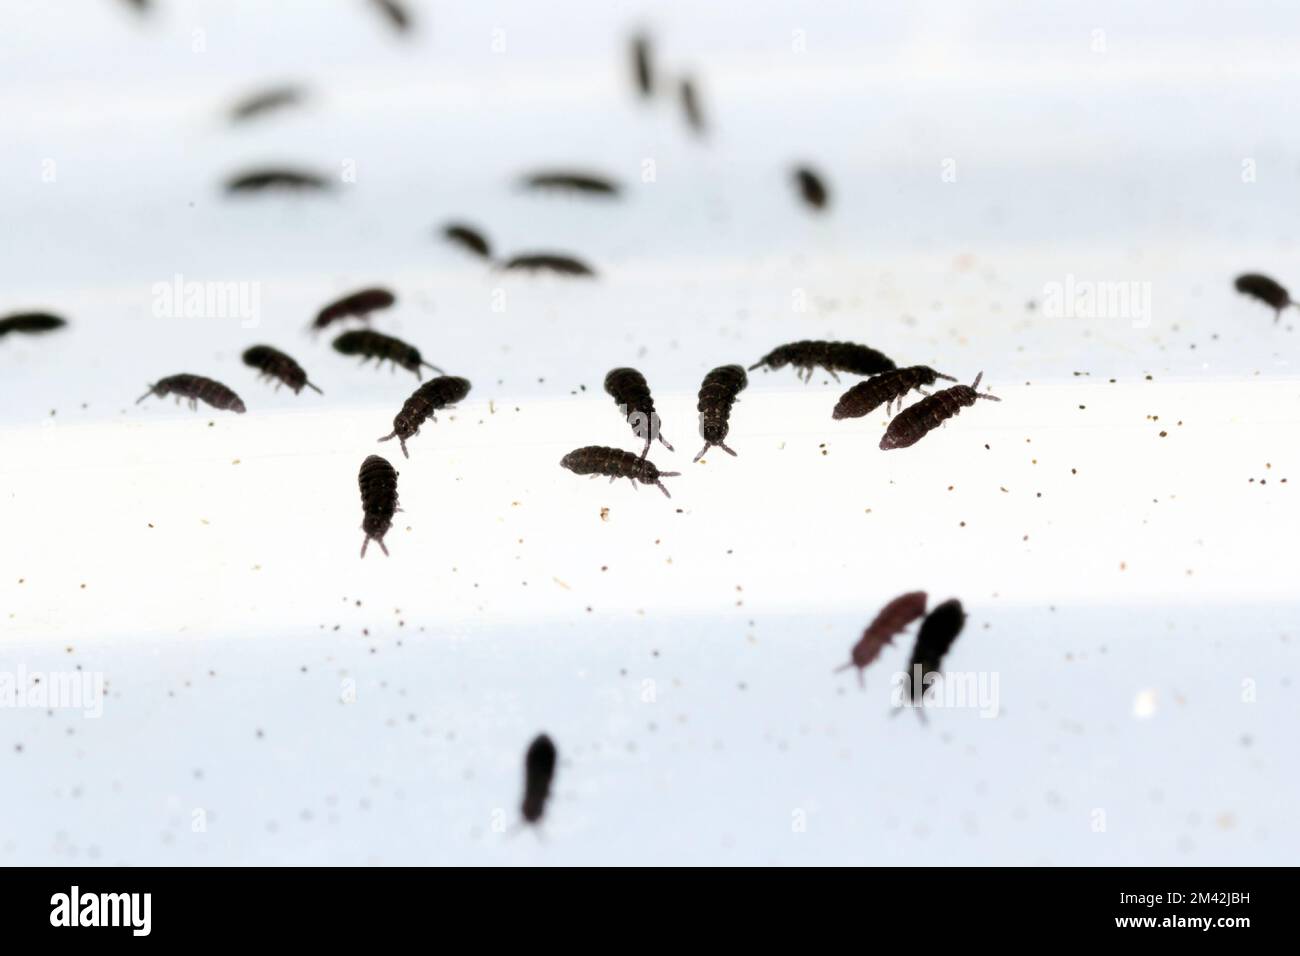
(1118, 527)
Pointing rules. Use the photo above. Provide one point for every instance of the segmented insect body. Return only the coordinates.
(378, 482)
(885, 389)
(643, 65)
(467, 237)
(356, 305)
(265, 101)
(691, 106)
(376, 345)
(1266, 290)
(630, 391)
(893, 617)
(616, 463)
(572, 181)
(196, 389)
(259, 180)
(811, 187)
(273, 363)
(939, 629)
(549, 262)
(717, 394)
(30, 323)
(912, 423)
(539, 772)
(441, 392)
(832, 356)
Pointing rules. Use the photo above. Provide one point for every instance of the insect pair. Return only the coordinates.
(938, 631)
(475, 242)
(271, 362)
(910, 425)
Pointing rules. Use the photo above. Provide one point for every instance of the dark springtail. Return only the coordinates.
(832, 356)
(912, 423)
(616, 463)
(30, 323)
(260, 180)
(893, 617)
(717, 394)
(265, 101)
(467, 237)
(549, 262)
(885, 389)
(376, 345)
(691, 106)
(357, 305)
(273, 363)
(539, 772)
(378, 482)
(643, 65)
(1265, 290)
(939, 629)
(811, 187)
(396, 14)
(573, 181)
(630, 391)
(434, 394)
(196, 389)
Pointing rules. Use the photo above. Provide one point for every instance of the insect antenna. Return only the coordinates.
(145, 395)
(948, 378)
(432, 366)
(976, 384)
(756, 365)
(313, 388)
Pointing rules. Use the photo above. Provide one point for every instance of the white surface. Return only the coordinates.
(1154, 579)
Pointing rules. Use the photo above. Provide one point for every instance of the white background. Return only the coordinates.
(1133, 593)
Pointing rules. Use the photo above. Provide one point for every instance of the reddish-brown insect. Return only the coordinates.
(549, 262)
(376, 345)
(913, 422)
(356, 305)
(832, 356)
(196, 389)
(261, 180)
(571, 181)
(632, 394)
(811, 188)
(467, 237)
(378, 482)
(1265, 290)
(893, 617)
(434, 394)
(273, 363)
(616, 463)
(30, 323)
(717, 394)
(885, 389)
(539, 772)
(938, 631)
